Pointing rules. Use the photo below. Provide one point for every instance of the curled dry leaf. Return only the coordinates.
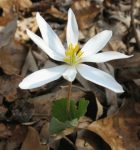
(120, 131)
(83, 145)
(87, 140)
(53, 11)
(99, 109)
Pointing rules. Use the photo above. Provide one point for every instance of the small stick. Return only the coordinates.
(68, 99)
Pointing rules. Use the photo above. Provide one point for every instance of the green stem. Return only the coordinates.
(68, 99)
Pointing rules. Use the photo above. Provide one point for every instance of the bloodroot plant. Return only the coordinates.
(65, 112)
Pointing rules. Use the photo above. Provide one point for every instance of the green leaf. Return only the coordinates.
(81, 108)
(60, 120)
(76, 111)
(57, 126)
(59, 110)
(73, 108)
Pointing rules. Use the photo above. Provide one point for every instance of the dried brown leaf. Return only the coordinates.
(121, 130)
(84, 13)
(54, 12)
(12, 57)
(99, 109)
(30, 64)
(32, 141)
(7, 33)
(125, 63)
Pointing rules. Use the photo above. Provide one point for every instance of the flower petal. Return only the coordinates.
(96, 43)
(72, 29)
(42, 77)
(41, 44)
(70, 73)
(49, 36)
(105, 56)
(99, 77)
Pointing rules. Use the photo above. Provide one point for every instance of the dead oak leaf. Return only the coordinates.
(12, 53)
(121, 130)
(6, 33)
(12, 57)
(32, 141)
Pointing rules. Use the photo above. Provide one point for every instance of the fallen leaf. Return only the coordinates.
(13, 51)
(99, 109)
(84, 13)
(30, 64)
(87, 140)
(111, 97)
(7, 33)
(125, 63)
(32, 141)
(54, 12)
(120, 131)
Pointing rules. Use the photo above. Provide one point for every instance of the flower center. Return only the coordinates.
(73, 54)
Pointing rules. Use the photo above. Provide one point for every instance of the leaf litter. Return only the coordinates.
(112, 121)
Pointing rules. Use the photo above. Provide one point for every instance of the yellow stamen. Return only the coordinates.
(73, 54)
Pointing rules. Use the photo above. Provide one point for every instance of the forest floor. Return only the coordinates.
(112, 121)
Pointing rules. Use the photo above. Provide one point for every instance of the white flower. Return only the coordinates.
(73, 56)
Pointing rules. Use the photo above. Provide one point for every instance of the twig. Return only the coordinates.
(72, 144)
(68, 99)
